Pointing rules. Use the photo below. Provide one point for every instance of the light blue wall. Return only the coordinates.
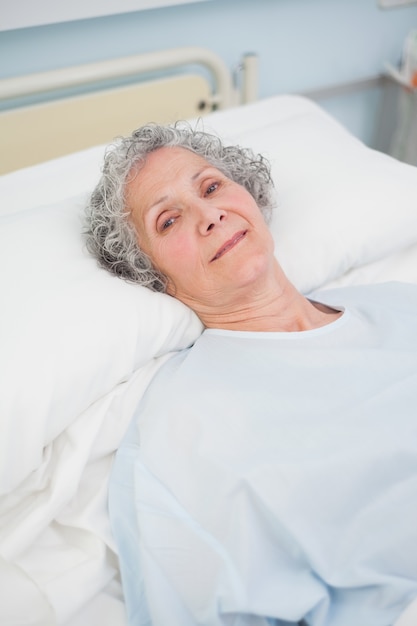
(302, 44)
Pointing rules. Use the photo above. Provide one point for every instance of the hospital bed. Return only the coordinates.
(78, 346)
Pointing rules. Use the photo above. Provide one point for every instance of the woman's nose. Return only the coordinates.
(209, 218)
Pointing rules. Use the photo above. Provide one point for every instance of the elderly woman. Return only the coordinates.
(270, 474)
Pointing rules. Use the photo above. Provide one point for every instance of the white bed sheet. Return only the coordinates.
(345, 214)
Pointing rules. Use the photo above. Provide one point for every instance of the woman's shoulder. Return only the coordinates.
(394, 294)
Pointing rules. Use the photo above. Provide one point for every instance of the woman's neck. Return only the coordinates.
(277, 308)
(303, 315)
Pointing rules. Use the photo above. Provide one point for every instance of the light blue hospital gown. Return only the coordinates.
(270, 477)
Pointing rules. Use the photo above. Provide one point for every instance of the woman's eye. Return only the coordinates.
(165, 224)
(211, 188)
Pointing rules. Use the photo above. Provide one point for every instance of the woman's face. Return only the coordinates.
(201, 229)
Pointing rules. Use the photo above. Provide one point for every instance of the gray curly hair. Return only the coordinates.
(110, 234)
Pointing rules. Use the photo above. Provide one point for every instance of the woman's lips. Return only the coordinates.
(229, 244)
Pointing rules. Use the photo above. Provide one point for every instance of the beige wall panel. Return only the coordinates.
(34, 134)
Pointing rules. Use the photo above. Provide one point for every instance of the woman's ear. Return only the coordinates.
(170, 288)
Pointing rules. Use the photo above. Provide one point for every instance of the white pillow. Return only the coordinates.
(51, 181)
(69, 331)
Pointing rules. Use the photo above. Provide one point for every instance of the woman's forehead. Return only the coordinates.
(165, 165)
(167, 161)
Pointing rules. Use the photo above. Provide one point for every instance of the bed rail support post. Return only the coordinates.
(250, 73)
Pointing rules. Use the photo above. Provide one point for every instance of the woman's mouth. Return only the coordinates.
(228, 245)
